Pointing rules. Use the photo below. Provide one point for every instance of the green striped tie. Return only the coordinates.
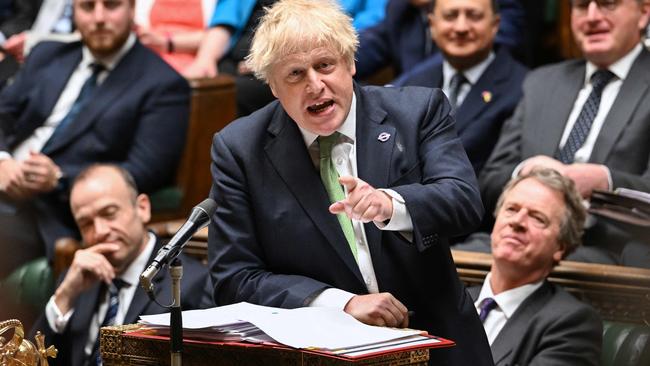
(330, 179)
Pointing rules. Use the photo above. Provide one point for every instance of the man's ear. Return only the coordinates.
(559, 254)
(143, 207)
(352, 68)
(645, 15)
(431, 23)
(270, 82)
(495, 28)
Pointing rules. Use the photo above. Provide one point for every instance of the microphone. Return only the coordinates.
(199, 218)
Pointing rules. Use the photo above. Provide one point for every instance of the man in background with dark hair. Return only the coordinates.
(402, 39)
(482, 84)
(104, 99)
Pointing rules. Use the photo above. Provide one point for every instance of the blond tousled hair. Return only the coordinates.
(292, 26)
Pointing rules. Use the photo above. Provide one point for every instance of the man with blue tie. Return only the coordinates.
(587, 119)
(528, 320)
(343, 196)
(101, 286)
(104, 99)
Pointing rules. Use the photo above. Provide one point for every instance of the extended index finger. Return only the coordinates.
(348, 181)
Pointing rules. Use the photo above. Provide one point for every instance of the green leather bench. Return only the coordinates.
(625, 344)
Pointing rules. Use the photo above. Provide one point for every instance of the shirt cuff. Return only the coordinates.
(55, 319)
(4, 155)
(332, 298)
(401, 219)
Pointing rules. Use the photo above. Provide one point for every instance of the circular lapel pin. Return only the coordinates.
(383, 137)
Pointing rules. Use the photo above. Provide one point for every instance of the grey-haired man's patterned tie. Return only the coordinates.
(581, 128)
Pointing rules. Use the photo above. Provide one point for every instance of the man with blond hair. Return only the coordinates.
(343, 196)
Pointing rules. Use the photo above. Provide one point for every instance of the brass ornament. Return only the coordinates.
(21, 352)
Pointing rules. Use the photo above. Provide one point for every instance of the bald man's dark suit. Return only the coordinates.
(72, 341)
(273, 241)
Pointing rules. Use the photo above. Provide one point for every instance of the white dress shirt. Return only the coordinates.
(472, 75)
(41, 134)
(620, 68)
(345, 161)
(507, 304)
(131, 276)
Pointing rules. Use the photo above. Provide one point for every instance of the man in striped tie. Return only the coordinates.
(587, 119)
(101, 286)
(527, 319)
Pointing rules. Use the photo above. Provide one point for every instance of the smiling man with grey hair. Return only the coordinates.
(587, 119)
(528, 320)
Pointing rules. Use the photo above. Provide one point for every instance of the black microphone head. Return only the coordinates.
(202, 213)
(208, 205)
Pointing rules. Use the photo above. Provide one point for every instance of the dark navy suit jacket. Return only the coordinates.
(72, 341)
(273, 241)
(137, 118)
(489, 103)
(402, 39)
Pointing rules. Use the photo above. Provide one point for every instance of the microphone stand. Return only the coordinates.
(175, 315)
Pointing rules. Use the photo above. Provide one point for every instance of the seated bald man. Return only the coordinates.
(101, 286)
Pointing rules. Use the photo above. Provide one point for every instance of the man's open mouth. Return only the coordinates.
(317, 108)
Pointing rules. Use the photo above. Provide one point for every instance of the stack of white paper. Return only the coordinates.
(306, 328)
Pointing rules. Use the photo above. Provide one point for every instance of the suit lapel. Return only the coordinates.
(290, 158)
(437, 77)
(474, 292)
(140, 299)
(55, 79)
(475, 102)
(560, 103)
(517, 326)
(634, 88)
(118, 80)
(373, 155)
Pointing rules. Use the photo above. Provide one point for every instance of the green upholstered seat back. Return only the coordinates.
(625, 344)
(31, 284)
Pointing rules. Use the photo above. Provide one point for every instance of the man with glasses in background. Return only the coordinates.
(588, 119)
